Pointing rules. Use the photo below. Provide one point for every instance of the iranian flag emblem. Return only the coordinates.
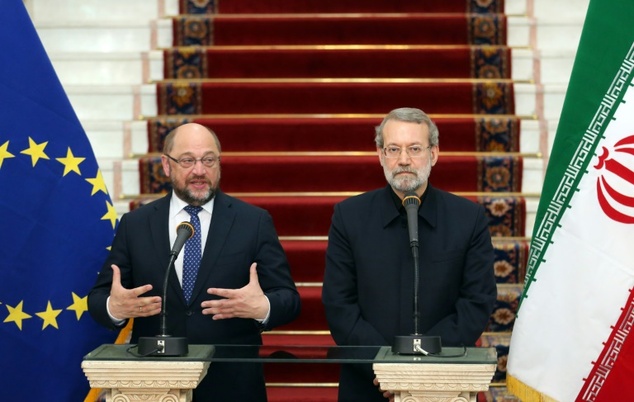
(615, 186)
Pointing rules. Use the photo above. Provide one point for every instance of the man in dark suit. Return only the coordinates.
(368, 282)
(242, 285)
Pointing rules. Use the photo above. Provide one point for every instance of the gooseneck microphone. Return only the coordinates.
(415, 343)
(163, 344)
(411, 202)
(184, 231)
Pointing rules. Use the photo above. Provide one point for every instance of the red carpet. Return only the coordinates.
(337, 6)
(309, 173)
(290, 85)
(338, 62)
(339, 29)
(328, 96)
(314, 133)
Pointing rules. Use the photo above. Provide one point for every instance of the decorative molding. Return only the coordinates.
(150, 381)
(434, 382)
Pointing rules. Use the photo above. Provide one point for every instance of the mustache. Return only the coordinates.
(201, 177)
(403, 170)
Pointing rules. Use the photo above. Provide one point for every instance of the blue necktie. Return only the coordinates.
(191, 260)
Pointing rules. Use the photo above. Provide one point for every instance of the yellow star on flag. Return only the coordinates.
(111, 215)
(4, 153)
(79, 306)
(70, 162)
(98, 184)
(36, 151)
(17, 315)
(49, 316)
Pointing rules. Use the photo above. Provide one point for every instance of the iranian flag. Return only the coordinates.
(572, 339)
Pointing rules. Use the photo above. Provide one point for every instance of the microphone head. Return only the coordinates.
(411, 199)
(185, 227)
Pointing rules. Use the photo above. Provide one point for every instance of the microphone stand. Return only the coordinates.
(416, 343)
(164, 344)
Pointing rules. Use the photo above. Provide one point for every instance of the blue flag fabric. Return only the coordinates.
(56, 223)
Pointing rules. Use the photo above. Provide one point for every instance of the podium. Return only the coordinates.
(126, 377)
(449, 377)
(455, 375)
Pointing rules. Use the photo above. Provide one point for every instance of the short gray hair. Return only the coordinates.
(410, 115)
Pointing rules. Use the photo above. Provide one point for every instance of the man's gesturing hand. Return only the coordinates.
(127, 303)
(246, 302)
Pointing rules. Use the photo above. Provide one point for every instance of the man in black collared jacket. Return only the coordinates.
(368, 282)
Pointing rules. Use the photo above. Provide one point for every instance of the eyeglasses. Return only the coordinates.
(414, 151)
(187, 161)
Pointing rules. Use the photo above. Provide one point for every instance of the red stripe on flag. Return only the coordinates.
(611, 376)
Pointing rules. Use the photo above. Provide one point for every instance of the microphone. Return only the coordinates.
(184, 231)
(163, 344)
(411, 202)
(415, 343)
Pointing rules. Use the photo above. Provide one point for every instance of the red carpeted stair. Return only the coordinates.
(302, 96)
(341, 61)
(308, 172)
(291, 133)
(294, 90)
(336, 6)
(337, 29)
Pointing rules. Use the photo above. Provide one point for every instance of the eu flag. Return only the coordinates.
(56, 223)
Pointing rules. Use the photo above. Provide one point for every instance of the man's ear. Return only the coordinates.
(166, 165)
(379, 153)
(435, 152)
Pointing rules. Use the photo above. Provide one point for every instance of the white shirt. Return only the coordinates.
(177, 214)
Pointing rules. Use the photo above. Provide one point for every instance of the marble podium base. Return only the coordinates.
(426, 379)
(152, 380)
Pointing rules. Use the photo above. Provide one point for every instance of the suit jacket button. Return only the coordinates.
(189, 313)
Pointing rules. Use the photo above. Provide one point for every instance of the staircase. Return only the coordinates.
(298, 87)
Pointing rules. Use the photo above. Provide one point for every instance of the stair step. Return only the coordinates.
(96, 36)
(111, 102)
(333, 6)
(337, 29)
(486, 173)
(338, 62)
(312, 316)
(115, 11)
(321, 133)
(300, 96)
(111, 68)
(289, 393)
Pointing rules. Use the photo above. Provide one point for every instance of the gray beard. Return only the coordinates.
(189, 198)
(408, 184)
